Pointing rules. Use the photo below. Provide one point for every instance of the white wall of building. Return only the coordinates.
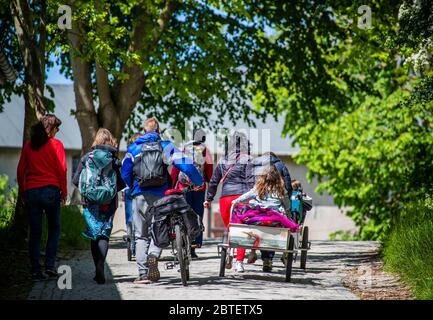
(9, 158)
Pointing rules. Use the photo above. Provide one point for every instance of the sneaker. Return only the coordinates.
(51, 273)
(142, 280)
(239, 266)
(229, 262)
(252, 257)
(153, 274)
(38, 276)
(267, 265)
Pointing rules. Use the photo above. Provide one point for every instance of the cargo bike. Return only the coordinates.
(271, 238)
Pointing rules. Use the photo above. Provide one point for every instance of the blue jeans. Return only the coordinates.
(195, 199)
(129, 207)
(38, 201)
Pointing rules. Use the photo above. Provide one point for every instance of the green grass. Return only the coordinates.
(409, 248)
(71, 227)
(14, 263)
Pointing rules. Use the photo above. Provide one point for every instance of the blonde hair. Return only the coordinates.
(151, 124)
(104, 136)
(270, 182)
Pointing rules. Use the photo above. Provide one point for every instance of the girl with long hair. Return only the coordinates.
(269, 193)
(42, 182)
(99, 214)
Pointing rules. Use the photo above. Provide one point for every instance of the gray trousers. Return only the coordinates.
(144, 246)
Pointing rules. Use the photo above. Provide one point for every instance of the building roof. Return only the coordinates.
(12, 121)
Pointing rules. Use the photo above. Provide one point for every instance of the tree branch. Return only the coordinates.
(163, 20)
(129, 92)
(85, 109)
(102, 83)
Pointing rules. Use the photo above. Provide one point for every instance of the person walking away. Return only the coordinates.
(145, 171)
(202, 159)
(268, 193)
(98, 179)
(129, 204)
(235, 173)
(259, 163)
(42, 183)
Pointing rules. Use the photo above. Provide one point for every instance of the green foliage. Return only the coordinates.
(360, 114)
(343, 236)
(8, 198)
(409, 248)
(71, 220)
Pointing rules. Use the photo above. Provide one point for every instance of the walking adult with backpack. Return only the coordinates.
(235, 172)
(41, 176)
(98, 179)
(202, 159)
(145, 171)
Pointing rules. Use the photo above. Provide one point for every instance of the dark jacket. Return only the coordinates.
(116, 166)
(239, 179)
(281, 167)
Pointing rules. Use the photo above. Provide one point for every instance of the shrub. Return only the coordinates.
(8, 199)
(71, 227)
(409, 247)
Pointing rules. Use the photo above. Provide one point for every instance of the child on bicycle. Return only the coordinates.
(268, 193)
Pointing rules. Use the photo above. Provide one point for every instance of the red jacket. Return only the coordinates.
(208, 170)
(43, 167)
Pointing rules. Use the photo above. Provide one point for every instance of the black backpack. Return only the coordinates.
(158, 220)
(149, 167)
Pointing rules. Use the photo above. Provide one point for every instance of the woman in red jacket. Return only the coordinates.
(42, 180)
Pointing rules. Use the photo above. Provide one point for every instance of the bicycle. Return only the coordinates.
(180, 244)
(180, 247)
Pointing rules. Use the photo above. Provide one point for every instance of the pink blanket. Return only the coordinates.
(245, 214)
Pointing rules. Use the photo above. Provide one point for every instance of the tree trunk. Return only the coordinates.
(116, 102)
(32, 46)
(85, 112)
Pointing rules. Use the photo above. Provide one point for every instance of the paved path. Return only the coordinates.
(321, 280)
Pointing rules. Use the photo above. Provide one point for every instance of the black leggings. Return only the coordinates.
(99, 250)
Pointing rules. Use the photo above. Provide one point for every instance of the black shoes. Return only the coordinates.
(42, 276)
(153, 273)
(38, 276)
(193, 254)
(267, 265)
(51, 273)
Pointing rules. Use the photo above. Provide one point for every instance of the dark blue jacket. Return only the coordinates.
(171, 154)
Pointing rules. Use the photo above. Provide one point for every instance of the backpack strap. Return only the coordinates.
(223, 179)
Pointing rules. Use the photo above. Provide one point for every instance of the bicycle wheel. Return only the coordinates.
(304, 246)
(129, 250)
(290, 259)
(180, 246)
(223, 261)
